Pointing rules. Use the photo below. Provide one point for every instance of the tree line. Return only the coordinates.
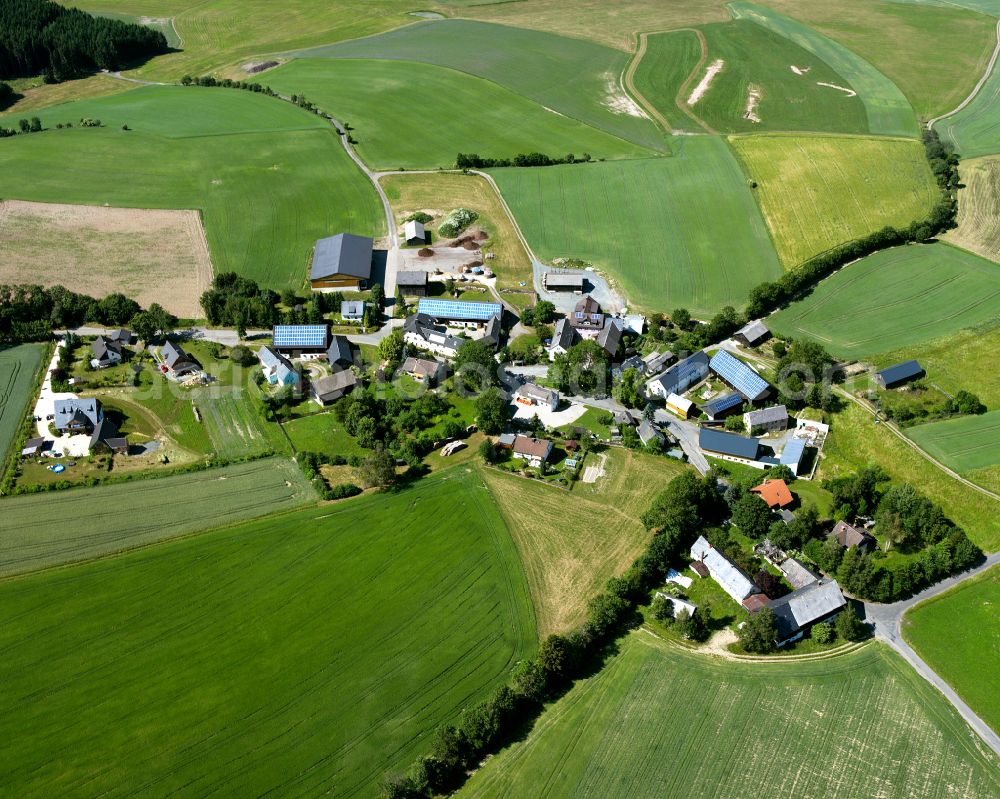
(476, 161)
(41, 36)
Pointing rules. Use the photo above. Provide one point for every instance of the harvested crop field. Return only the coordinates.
(820, 191)
(655, 720)
(44, 530)
(978, 208)
(150, 255)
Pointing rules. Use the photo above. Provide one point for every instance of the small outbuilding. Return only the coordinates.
(412, 283)
(330, 389)
(679, 405)
(899, 374)
(352, 310)
(753, 334)
(414, 232)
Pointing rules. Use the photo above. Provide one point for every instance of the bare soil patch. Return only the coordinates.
(150, 255)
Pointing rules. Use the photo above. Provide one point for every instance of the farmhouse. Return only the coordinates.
(106, 352)
(412, 283)
(297, 340)
(352, 310)
(723, 406)
(677, 404)
(730, 577)
(587, 317)
(107, 437)
(899, 374)
(175, 362)
(586, 322)
(678, 604)
(680, 377)
(739, 376)
(766, 420)
(421, 332)
(533, 450)
(414, 232)
(77, 414)
(656, 362)
(815, 602)
(423, 370)
(340, 353)
(649, 434)
(537, 396)
(729, 446)
(752, 334)
(341, 262)
(122, 336)
(455, 312)
(278, 370)
(775, 493)
(848, 536)
(331, 388)
(561, 280)
(797, 573)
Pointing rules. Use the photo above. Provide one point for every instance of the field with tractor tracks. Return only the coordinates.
(18, 367)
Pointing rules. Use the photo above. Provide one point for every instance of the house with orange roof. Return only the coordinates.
(775, 493)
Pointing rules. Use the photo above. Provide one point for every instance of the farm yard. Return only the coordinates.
(149, 255)
(881, 302)
(18, 367)
(664, 230)
(958, 634)
(864, 721)
(258, 169)
(479, 115)
(56, 528)
(817, 192)
(978, 208)
(298, 654)
(964, 444)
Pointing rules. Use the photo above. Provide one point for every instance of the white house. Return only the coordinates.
(533, 450)
(532, 395)
(732, 579)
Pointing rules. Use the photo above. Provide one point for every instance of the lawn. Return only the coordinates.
(964, 444)
(18, 367)
(322, 433)
(572, 542)
(817, 191)
(576, 78)
(958, 634)
(670, 232)
(888, 111)
(303, 654)
(882, 302)
(268, 178)
(978, 208)
(235, 426)
(44, 530)
(668, 61)
(439, 194)
(855, 441)
(425, 115)
(656, 722)
(756, 57)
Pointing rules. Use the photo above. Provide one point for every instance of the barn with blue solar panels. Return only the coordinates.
(721, 407)
(739, 376)
(466, 313)
(300, 338)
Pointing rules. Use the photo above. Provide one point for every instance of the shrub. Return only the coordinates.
(824, 633)
(457, 221)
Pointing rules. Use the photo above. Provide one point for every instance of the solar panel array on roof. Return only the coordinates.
(459, 311)
(300, 336)
(722, 404)
(740, 376)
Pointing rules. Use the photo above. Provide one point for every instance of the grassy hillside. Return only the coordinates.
(268, 178)
(576, 78)
(889, 113)
(965, 444)
(975, 130)
(669, 60)
(18, 367)
(681, 231)
(881, 302)
(307, 653)
(658, 722)
(978, 208)
(817, 192)
(958, 634)
(759, 60)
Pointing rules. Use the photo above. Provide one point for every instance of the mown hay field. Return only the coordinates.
(44, 530)
(268, 178)
(425, 114)
(895, 298)
(658, 722)
(817, 192)
(978, 208)
(754, 59)
(889, 112)
(671, 232)
(576, 78)
(18, 367)
(958, 634)
(572, 542)
(303, 654)
(234, 425)
(964, 444)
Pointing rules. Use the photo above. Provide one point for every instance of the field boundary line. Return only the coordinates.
(975, 89)
(686, 85)
(629, 85)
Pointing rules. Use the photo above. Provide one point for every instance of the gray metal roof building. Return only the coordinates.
(753, 333)
(681, 376)
(898, 374)
(807, 605)
(562, 281)
(343, 254)
(77, 411)
(723, 443)
(721, 405)
(776, 415)
(340, 351)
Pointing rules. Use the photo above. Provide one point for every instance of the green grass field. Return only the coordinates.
(964, 444)
(303, 654)
(975, 130)
(161, 24)
(425, 115)
(883, 302)
(820, 191)
(18, 367)
(755, 57)
(958, 634)
(660, 722)
(888, 111)
(576, 78)
(235, 427)
(45, 530)
(268, 178)
(321, 432)
(681, 231)
(669, 60)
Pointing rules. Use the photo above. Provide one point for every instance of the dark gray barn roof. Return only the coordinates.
(343, 254)
(907, 370)
(728, 443)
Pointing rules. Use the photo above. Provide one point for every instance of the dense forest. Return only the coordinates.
(42, 37)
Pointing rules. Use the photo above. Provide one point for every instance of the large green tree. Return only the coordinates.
(491, 411)
(582, 369)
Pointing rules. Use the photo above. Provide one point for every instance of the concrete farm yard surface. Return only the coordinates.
(149, 255)
(853, 727)
(301, 654)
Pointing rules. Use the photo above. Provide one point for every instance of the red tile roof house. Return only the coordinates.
(775, 493)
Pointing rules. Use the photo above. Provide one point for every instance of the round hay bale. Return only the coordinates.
(425, 252)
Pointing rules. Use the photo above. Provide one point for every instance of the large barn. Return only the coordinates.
(342, 262)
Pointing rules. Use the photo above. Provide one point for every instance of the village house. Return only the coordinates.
(298, 340)
(730, 577)
(454, 313)
(656, 362)
(340, 353)
(352, 310)
(537, 396)
(766, 420)
(534, 451)
(423, 370)
(331, 388)
(649, 435)
(77, 414)
(848, 536)
(421, 332)
(176, 363)
(342, 263)
(679, 377)
(106, 352)
(277, 369)
(586, 322)
(814, 602)
(775, 493)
